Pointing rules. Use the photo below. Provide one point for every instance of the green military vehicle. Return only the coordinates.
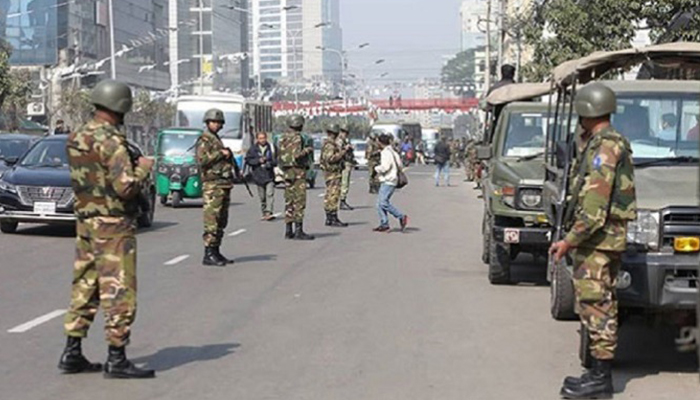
(514, 221)
(660, 118)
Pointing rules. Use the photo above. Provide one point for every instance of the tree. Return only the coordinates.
(576, 28)
(74, 106)
(5, 78)
(672, 20)
(16, 97)
(458, 74)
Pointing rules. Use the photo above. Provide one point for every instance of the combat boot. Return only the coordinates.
(211, 259)
(300, 234)
(594, 384)
(337, 222)
(217, 253)
(329, 218)
(73, 361)
(289, 234)
(345, 206)
(119, 367)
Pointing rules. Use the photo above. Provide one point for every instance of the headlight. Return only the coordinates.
(530, 199)
(7, 187)
(162, 169)
(507, 194)
(194, 170)
(645, 230)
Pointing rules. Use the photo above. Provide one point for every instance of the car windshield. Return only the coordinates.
(13, 148)
(46, 153)
(525, 135)
(172, 145)
(360, 146)
(192, 116)
(659, 125)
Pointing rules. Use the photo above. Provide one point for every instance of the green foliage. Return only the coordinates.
(672, 20)
(5, 78)
(458, 74)
(16, 97)
(149, 112)
(74, 106)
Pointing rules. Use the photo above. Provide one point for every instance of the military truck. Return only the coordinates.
(514, 221)
(660, 118)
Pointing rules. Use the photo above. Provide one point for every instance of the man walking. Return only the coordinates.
(293, 158)
(262, 159)
(602, 202)
(332, 160)
(105, 185)
(442, 161)
(348, 165)
(216, 166)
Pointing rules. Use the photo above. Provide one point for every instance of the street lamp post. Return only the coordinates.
(112, 58)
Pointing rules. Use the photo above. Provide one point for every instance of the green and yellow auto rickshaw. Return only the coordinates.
(177, 172)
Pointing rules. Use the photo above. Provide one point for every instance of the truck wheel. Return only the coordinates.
(499, 263)
(8, 226)
(163, 200)
(176, 199)
(486, 238)
(584, 350)
(561, 295)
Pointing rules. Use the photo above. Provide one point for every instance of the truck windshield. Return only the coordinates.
(525, 135)
(173, 145)
(659, 125)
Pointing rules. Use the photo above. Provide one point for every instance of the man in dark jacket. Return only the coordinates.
(261, 158)
(442, 161)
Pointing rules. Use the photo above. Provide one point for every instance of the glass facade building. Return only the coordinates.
(31, 28)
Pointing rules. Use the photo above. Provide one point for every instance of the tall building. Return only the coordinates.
(471, 13)
(286, 37)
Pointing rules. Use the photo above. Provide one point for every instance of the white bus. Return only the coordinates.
(191, 109)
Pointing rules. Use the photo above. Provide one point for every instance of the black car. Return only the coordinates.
(37, 189)
(12, 147)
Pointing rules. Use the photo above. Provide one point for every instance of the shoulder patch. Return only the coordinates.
(597, 162)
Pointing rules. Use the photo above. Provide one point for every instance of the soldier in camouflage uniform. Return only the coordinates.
(454, 153)
(216, 166)
(105, 184)
(293, 159)
(602, 202)
(332, 160)
(373, 153)
(470, 160)
(348, 165)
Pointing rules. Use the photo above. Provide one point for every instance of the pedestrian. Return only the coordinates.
(293, 159)
(442, 161)
(407, 151)
(262, 159)
(420, 153)
(388, 171)
(216, 168)
(332, 163)
(602, 202)
(373, 155)
(61, 128)
(348, 165)
(105, 185)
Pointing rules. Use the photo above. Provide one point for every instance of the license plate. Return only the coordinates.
(43, 208)
(511, 235)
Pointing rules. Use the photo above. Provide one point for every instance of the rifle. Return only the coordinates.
(134, 155)
(237, 173)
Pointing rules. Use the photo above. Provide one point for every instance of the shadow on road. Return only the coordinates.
(526, 270)
(174, 357)
(48, 230)
(258, 258)
(645, 350)
(327, 234)
(357, 223)
(158, 225)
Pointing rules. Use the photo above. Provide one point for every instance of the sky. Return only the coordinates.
(413, 36)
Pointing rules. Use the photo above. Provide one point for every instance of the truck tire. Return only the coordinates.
(584, 350)
(485, 238)
(561, 295)
(8, 226)
(499, 263)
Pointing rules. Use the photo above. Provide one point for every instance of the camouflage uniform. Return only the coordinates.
(105, 185)
(603, 201)
(374, 157)
(454, 154)
(293, 160)
(332, 162)
(470, 161)
(348, 165)
(217, 182)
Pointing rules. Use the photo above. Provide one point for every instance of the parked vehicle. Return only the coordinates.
(37, 189)
(177, 173)
(12, 147)
(360, 148)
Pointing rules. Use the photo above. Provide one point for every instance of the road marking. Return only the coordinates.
(322, 195)
(277, 215)
(36, 322)
(352, 182)
(177, 259)
(238, 232)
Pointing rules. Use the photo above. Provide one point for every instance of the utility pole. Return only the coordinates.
(487, 76)
(112, 59)
(501, 36)
(201, 47)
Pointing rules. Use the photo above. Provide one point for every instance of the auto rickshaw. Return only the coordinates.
(177, 172)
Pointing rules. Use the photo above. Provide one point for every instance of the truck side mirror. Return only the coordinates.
(562, 154)
(484, 152)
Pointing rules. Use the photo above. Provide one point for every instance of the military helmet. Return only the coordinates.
(112, 95)
(373, 135)
(215, 115)
(345, 127)
(296, 121)
(595, 100)
(333, 128)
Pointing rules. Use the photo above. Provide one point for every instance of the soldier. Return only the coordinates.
(348, 165)
(373, 153)
(216, 166)
(470, 160)
(332, 163)
(105, 184)
(602, 202)
(293, 160)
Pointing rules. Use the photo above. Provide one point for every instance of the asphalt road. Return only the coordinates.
(352, 315)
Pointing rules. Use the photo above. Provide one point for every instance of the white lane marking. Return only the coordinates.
(277, 215)
(36, 322)
(352, 182)
(177, 259)
(322, 195)
(238, 232)
(362, 178)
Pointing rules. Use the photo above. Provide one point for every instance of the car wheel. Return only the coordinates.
(145, 220)
(499, 262)
(8, 226)
(163, 200)
(176, 199)
(584, 350)
(561, 294)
